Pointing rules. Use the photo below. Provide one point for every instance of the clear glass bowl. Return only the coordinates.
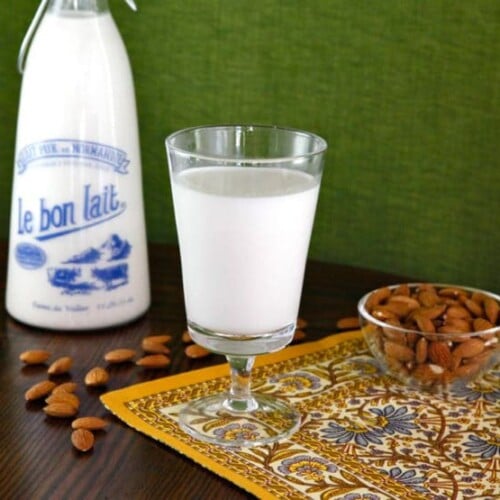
(432, 335)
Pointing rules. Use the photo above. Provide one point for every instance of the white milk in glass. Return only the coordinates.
(244, 235)
(77, 243)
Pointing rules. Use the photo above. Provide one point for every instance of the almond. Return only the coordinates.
(467, 370)
(394, 335)
(299, 335)
(428, 298)
(120, 355)
(154, 361)
(468, 349)
(160, 339)
(459, 325)
(409, 301)
(473, 307)
(64, 397)
(376, 297)
(431, 312)
(457, 312)
(152, 347)
(451, 292)
(424, 324)
(402, 290)
(395, 366)
(398, 351)
(426, 373)
(383, 314)
(60, 410)
(186, 337)
(348, 323)
(96, 376)
(65, 387)
(82, 439)
(450, 329)
(61, 365)
(39, 390)
(480, 324)
(421, 350)
(196, 351)
(480, 359)
(34, 356)
(439, 353)
(491, 309)
(89, 423)
(301, 323)
(437, 343)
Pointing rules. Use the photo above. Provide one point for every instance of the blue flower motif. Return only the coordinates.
(392, 420)
(311, 468)
(408, 477)
(474, 392)
(360, 435)
(478, 446)
(297, 381)
(237, 432)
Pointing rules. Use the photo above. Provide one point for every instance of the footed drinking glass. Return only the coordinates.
(244, 199)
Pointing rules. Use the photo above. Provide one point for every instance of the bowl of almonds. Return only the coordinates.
(432, 336)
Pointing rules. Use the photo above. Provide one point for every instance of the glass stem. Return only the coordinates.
(240, 398)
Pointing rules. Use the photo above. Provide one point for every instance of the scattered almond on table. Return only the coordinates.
(61, 400)
(82, 439)
(301, 323)
(60, 409)
(195, 351)
(34, 356)
(299, 335)
(39, 390)
(348, 323)
(90, 423)
(65, 387)
(154, 361)
(121, 355)
(159, 339)
(96, 377)
(186, 337)
(64, 397)
(151, 346)
(60, 366)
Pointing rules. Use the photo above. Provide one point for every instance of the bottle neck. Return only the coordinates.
(78, 5)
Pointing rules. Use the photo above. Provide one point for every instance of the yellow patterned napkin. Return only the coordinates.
(363, 435)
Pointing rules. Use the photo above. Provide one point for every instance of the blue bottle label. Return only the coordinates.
(46, 220)
(43, 218)
(30, 256)
(106, 156)
(95, 268)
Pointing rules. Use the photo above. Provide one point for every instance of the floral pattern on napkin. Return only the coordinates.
(363, 435)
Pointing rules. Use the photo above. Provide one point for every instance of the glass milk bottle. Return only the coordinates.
(77, 250)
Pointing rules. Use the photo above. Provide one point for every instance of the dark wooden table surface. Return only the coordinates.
(37, 460)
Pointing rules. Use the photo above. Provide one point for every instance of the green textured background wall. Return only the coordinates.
(405, 91)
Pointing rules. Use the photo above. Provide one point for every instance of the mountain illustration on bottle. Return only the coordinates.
(87, 271)
(114, 248)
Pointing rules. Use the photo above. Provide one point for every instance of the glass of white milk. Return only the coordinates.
(244, 200)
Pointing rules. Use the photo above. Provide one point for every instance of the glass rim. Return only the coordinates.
(322, 145)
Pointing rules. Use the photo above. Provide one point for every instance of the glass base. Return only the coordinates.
(257, 421)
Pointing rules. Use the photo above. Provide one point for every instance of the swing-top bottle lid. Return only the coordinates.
(33, 26)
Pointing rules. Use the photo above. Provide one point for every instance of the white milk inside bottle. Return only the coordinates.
(77, 250)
